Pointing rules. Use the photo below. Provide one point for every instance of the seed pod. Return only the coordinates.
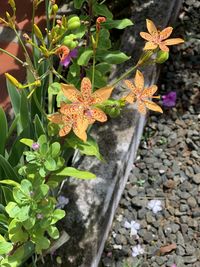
(73, 23)
(162, 56)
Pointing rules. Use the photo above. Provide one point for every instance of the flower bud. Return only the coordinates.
(13, 80)
(38, 32)
(73, 23)
(161, 57)
(55, 8)
(35, 146)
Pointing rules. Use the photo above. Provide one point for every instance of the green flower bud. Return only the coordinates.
(13, 80)
(162, 56)
(73, 23)
(70, 41)
(55, 8)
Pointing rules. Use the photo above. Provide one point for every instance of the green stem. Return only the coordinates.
(38, 105)
(11, 55)
(59, 75)
(124, 75)
(93, 69)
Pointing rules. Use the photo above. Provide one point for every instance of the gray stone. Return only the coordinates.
(141, 213)
(192, 202)
(190, 259)
(120, 239)
(195, 155)
(175, 227)
(132, 192)
(196, 178)
(190, 250)
(180, 239)
(180, 250)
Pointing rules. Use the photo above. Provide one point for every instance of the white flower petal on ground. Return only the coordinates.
(62, 202)
(134, 226)
(155, 205)
(137, 250)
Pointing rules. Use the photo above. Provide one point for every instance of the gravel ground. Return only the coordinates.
(167, 169)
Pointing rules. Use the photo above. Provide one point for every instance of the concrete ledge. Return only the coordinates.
(92, 204)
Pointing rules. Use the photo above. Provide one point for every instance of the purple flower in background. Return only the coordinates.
(66, 60)
(169, 100)
(35, 146)
(173, 265)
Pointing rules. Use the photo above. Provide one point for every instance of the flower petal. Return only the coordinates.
(65, 130)
(151, 27)
(141, 107)
(71, 93)
(146, 36)
(149, 92)
(86, 88)
(139, 80)
(101, 94)
(74, 53)
(132, 87)
(173, 41)
(80, 125)
(130, 98)
(153, 106)
(164, 34)
(98, 114)
(150, 46)
(65, 62)
(163, 47)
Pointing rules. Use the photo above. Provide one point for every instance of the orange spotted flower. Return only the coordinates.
(84, 101)
(158, 38)
(141, 95)
(69, 122)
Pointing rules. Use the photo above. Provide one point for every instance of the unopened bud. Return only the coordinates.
(13, 80)
(38, 32)
(26, 37)
(12, 4)
(35, 146)
(162, 56)
(55, 8)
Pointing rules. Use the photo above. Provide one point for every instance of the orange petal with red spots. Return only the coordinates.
(139, 80)
(163, 47)
(173, 41)
(164, 34)
(86, 88)
(150, 46)
(149, 92)
(151, 27)
(141, 107)
(153, 106)
(146, 36)
(65, 130)
(71, 93)
(102, 94)
(130, 98)
(98, 114)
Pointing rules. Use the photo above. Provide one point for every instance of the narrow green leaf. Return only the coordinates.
(78, 3)
(4, 131)
(24, 112)
(9, 171)
(39, 128)
(85, 57)
(14, 96)
(9, 182)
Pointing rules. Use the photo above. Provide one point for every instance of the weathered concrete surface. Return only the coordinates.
(93, 203)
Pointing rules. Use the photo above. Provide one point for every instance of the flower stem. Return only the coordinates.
(124, 75)
(11, 55)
